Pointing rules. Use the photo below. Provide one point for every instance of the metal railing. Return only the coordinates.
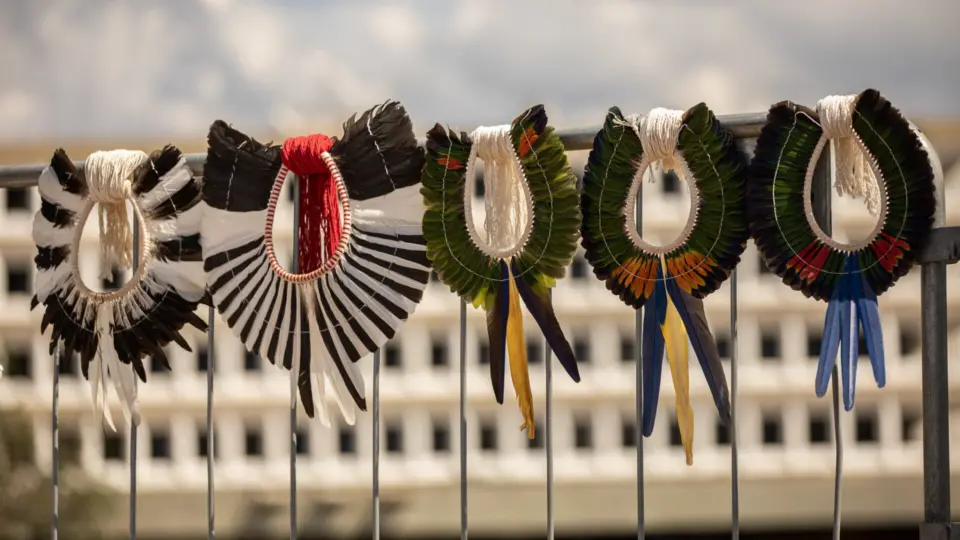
(943, 249)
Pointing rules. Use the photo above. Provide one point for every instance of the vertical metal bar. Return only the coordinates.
(295, 185)
(463, 420)
(55, 457)
(549, 439)
(211, 366)
(376, 445)
(821, 201)
(638, 427)
(734, 454)
(133, 427)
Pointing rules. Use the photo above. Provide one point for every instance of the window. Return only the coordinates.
(537, 442)
(723, 346)
(479, 189)
(159, 444)
(347, 441)
(394, 439)
(441, 436)
(203, 358)
(19, 363)
(112, 447)
(303, 441)
(910, 426)
(434, 278)
(722, 434)
(159, 365)
(909, 339)
(581, 350)
(18, 278)
(114, 282)
(583, 433)
(578, 269)
(819, 428)
(675, 439)
(671, 182)
(772, 428)
(534, 350)
(202, 444)
(488, 436)
(813, 344)
(762, 267)
(391, 356)
(69, 443)
(770, 344)
(628, 434)
(252, 442)
(867, 427)
(18, 199)
(483, 353)
(251, 361)
(68, 365)
(438, 353)
(628, 349)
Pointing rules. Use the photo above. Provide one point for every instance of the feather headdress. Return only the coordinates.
(363, 263)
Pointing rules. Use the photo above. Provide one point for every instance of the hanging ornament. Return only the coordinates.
(529, 235)
(668, 281)
(362, 256)
(878, 157)
(112, 331)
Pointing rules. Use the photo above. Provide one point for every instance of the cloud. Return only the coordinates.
(96, 67)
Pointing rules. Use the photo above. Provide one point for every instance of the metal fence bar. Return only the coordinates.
(638, 425)
(211, 367)
(376, 445)
(463, 420)
(55, 456)
(295, 186)
(742, 126)
(732, 429)
(133, 427)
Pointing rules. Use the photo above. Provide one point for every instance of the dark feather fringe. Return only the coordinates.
(238, 168)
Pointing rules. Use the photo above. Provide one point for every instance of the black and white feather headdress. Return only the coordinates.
(319, 323)
(113, 331)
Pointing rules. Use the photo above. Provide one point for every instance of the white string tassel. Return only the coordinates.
(854, 175)
(109, 179)
(507, 202)
(658, 132)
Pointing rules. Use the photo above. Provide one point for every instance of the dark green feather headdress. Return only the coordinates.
(668, 281)
(528, 160)
(880, 157)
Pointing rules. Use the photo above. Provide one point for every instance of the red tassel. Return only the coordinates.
(319, 219)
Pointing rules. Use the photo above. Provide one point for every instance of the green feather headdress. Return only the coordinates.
(497, 282)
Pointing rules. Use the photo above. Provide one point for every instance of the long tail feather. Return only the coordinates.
(519, 373)
(541, 308)
(829, 344)
(704, 345)
(849, 337)
(497, 332)
(869, 315)
(675, 337)
(654, 313)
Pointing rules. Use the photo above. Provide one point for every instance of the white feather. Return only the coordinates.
(404, 206)
(51, 190)
(45, 234)
(221, 230)
(168, 186)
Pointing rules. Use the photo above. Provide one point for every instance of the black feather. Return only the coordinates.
(232, 155)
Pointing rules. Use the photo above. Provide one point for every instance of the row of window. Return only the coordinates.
(819, 432)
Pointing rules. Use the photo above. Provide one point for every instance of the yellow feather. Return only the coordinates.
(517, 347)
(675, 340)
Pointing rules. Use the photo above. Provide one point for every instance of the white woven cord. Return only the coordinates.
(507, 201)
(109, 179)
(854, 175)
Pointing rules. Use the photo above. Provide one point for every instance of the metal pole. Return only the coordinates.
(376, 445)
(133, 427)
(295, 186)
(55, 458)
(734, 454)
(211, 366)
(821, 201)
(463, 420)
(638, 426)
(549, 439)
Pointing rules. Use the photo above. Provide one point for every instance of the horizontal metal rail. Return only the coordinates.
(943, 249)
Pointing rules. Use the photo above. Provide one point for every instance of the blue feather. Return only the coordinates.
(849, 331)
(654, 313)
(829, 344)
(872, 330)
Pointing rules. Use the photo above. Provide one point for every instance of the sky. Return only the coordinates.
(105, 69)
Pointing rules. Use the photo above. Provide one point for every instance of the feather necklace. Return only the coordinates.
(112, 331)
(362, 256)
(880, 158)
(529, 235)
(669, 282)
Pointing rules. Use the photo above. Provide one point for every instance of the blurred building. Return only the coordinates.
(785, 432)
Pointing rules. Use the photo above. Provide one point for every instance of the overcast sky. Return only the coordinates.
(167, 68)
